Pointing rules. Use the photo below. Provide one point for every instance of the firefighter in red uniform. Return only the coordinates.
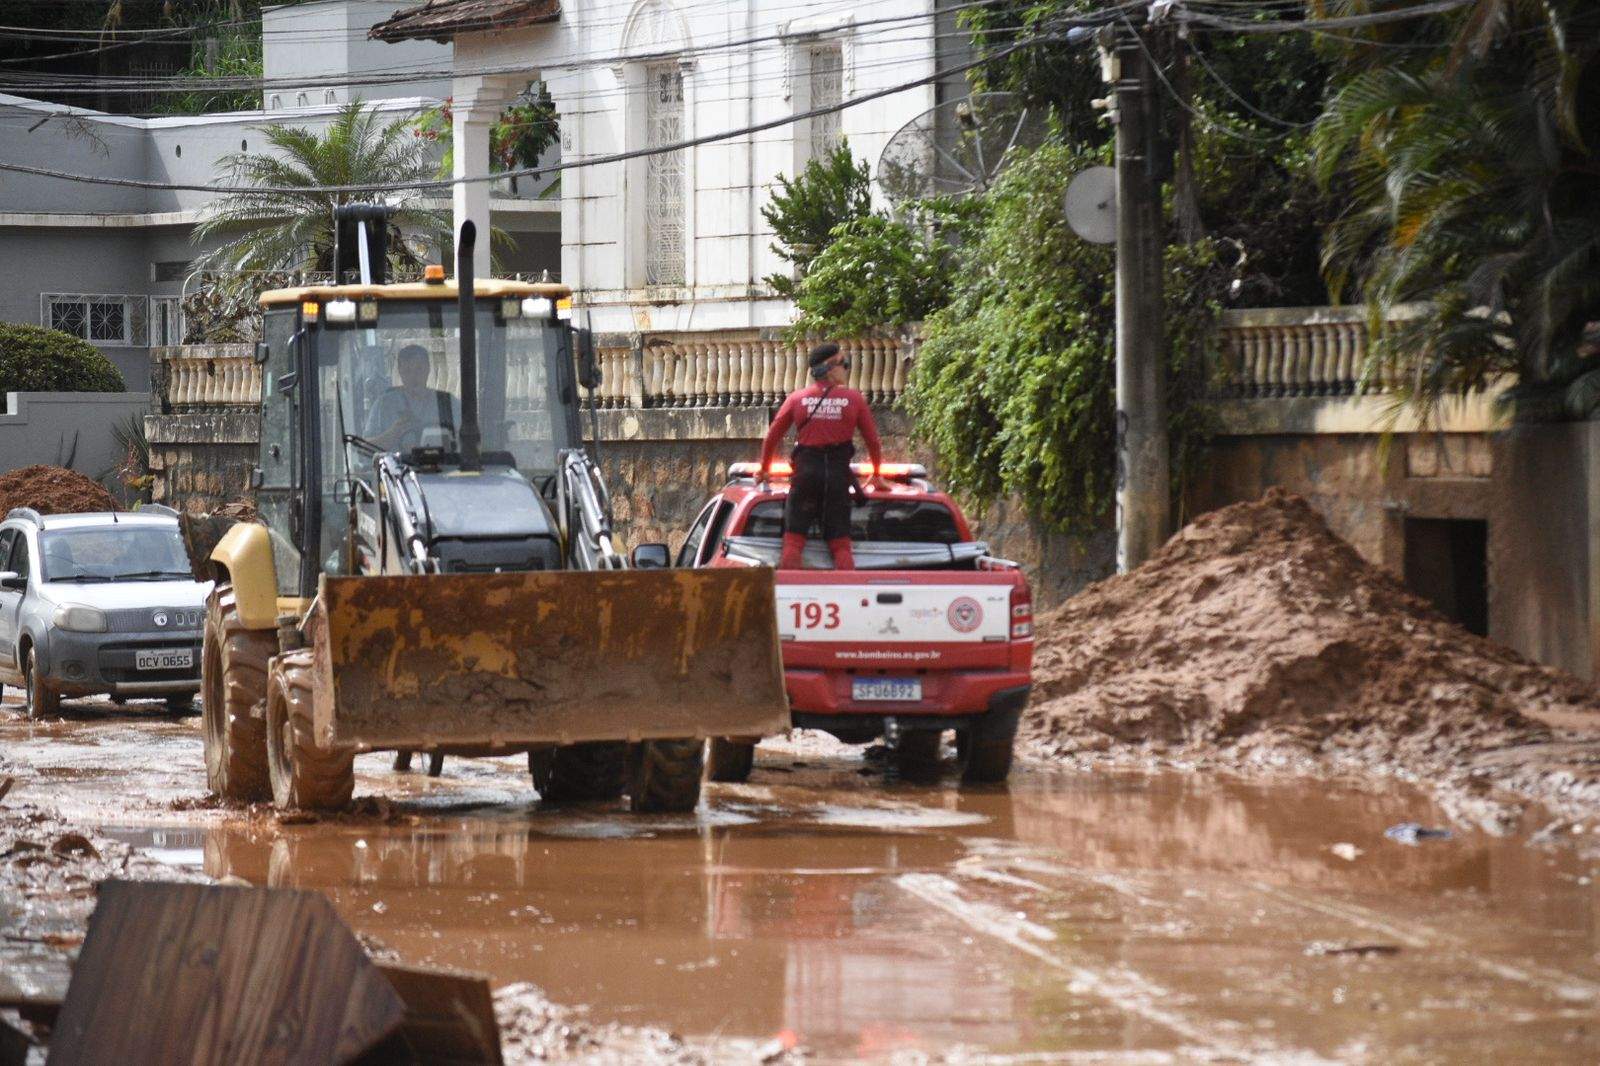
(826, 415)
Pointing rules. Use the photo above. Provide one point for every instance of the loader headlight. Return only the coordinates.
(511, 307)
(339, 312)
(79, 618)
(536, 307)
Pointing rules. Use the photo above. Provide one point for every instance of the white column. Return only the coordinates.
(476, 104)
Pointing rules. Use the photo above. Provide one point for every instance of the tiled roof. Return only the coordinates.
(443, 19)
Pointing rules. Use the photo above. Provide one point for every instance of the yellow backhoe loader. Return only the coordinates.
(434, 568)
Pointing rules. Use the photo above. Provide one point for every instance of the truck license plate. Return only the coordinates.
(886, 688)
(164, 659)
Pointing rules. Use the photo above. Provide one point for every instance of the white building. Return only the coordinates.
(675, 242)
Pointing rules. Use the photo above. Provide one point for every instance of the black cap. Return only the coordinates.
(822, 353)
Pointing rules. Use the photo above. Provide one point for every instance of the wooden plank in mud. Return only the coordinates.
(449, 1016)
(205, 974)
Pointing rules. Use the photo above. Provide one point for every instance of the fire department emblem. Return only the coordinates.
(965, 614)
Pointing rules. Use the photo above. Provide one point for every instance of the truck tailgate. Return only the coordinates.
(887, 620)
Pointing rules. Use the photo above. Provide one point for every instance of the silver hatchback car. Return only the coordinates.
(98, 604)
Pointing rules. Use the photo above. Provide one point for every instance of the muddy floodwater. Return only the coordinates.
(1070, 917)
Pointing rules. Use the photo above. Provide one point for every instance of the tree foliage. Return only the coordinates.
(805, 211)
(875, 273)
(35, 359)
(518, 138)
(270, 230)
(1248, 101)
(1013, 386)
(1471, 160)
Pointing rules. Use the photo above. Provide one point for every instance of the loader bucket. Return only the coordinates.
(546, 657)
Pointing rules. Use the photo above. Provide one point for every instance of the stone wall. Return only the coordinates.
(202, 459)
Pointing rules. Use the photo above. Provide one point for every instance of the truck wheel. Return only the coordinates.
(233, 682)
(664, 775)
(304, 776)
(986, 753)
(595, 770)
(730, 760)
(43, 701)
(916, 757)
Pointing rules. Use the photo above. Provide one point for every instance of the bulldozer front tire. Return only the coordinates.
(664, 775)
(304, 776)
(591, 771)
(730, 761)
(233, 682)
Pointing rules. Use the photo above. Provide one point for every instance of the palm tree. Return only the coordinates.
(281, 227)
(1471, 164)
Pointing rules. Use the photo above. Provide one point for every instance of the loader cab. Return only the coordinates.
(363, 382)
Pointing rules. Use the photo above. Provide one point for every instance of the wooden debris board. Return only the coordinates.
(203, 974)
(449, 1016)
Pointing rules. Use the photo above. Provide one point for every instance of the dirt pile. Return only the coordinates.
(53, 490)
(1257, 634)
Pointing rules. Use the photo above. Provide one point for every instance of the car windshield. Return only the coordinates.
(884, 521)
(114, 553)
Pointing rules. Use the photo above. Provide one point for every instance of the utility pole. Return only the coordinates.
(1143, 481)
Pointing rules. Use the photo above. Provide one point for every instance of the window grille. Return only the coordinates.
(826, 77)
(109, 320)
(665, 256)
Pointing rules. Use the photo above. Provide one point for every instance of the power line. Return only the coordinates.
(90, 84)
(1231, 91)
(1372, 18)
(539, 171)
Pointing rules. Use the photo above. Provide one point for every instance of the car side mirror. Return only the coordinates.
(15, 582)
(651, 557)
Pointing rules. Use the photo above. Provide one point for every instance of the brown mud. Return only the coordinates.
(1073, 916)
(53, 490)
(1257, 639)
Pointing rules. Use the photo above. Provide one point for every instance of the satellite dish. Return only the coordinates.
(959, 147)
(1091, 205)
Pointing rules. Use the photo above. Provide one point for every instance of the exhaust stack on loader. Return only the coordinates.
(434, 568)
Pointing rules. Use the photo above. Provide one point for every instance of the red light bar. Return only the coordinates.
(782, 469)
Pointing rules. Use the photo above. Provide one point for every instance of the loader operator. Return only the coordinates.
(826, 415)
(397, 420)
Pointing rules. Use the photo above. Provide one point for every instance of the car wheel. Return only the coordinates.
(182, 703)
(987, 753)
(43, 701)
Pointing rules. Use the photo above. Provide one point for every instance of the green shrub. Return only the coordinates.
(1014, 385)
(35, 359)
(804, 212)
(875, 273)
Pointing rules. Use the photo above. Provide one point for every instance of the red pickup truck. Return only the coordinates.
(929, 632)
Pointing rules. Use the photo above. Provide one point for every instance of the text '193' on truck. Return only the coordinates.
(434, 571)
(929, 633)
